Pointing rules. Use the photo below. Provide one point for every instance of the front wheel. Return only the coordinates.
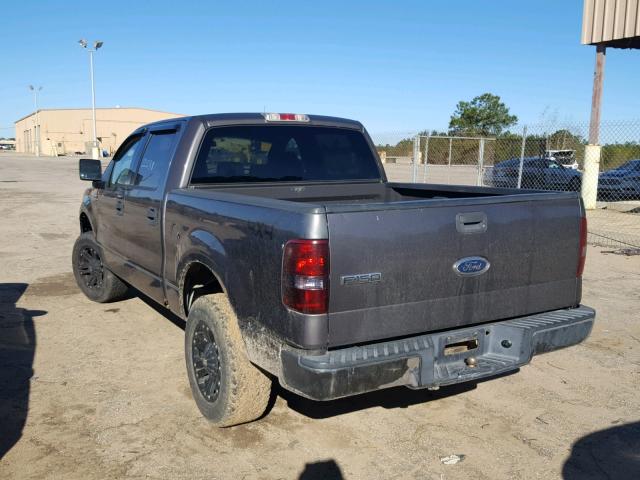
(93, 278)
(227, 388)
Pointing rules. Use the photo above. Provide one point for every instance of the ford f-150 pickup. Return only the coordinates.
(280, 242)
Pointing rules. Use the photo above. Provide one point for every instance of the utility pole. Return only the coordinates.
(596, 98)
(36, 133)
(592, 152)
(95, 153)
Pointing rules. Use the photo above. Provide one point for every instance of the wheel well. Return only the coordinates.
(198, 280)
(85, 224)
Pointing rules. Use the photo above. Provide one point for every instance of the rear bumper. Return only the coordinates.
(421, 362)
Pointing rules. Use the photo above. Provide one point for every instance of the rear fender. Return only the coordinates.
(202, 247)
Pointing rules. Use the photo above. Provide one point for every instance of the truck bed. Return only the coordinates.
(361, 193)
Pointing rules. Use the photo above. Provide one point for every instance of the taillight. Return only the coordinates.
(583, 246)
(305, 276)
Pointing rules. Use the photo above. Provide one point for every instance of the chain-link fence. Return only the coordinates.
(544, 157)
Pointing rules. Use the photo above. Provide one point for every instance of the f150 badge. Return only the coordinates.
(360, 279)
(471, 266)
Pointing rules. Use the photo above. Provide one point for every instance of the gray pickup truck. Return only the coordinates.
(279, 240)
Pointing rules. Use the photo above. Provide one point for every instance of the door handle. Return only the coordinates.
(472, 222)
(151, 215)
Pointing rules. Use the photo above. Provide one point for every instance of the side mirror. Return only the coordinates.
(90, 170)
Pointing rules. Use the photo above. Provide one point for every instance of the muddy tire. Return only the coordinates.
(227, 387)
(92, 277)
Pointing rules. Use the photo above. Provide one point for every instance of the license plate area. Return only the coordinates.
(460, 346)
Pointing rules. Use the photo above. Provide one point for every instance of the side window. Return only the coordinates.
(122, 172)
(155, 160)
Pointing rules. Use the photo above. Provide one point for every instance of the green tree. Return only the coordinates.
(484, 115)
(615, 154)
(564, 140)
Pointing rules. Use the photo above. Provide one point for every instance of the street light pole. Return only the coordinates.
(93, 100)
(36, 133)
(96, 45)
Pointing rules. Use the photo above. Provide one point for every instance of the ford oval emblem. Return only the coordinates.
(471, 266)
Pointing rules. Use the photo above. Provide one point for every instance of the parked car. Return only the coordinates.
(537, 173)
(622, 182)
(279, 240)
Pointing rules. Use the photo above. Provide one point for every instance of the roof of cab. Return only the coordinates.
(220, 119)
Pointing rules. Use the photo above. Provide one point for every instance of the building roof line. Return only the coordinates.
(97, 108)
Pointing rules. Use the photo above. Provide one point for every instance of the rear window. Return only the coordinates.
(281, 153)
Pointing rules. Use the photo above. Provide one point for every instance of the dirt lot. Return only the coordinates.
(94, 391)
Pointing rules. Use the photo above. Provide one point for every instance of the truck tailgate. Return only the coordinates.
(392, 268)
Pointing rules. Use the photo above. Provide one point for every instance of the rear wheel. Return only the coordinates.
(227, 388)
(93, 278)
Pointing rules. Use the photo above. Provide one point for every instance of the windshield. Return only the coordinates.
(277, 153)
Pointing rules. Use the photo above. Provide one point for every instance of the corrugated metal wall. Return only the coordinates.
(608, 20)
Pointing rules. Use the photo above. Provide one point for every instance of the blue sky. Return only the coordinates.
(396, 65)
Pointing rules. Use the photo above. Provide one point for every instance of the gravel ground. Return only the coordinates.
(93, 391)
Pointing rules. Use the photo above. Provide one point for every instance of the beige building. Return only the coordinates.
(65, 131)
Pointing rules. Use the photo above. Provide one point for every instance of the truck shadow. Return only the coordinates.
(165, 312)
(397, 397)
(17, 347)
(389, 398)
(606, 454)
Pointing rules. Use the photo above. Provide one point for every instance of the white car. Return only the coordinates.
(566, 158)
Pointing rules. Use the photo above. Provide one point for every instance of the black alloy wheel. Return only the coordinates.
(206, 362)
(90, 268)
